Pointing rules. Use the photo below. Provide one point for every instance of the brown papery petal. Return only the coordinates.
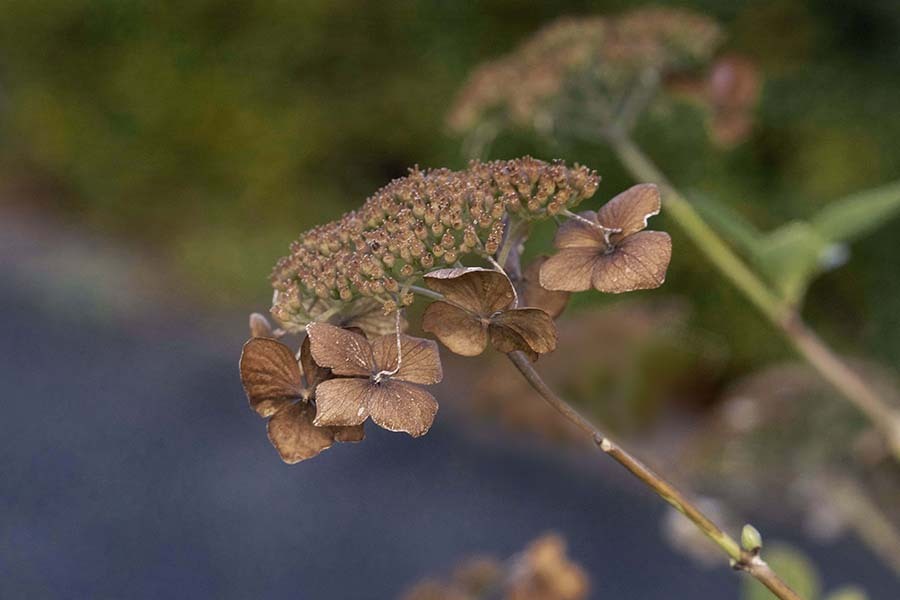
(630, 210)
(569, 270)
(342, 402)
(260, 326)
(355, 433)
(506, 340)
(460, 331)
(578, 234)
(533, 325)
(421, 361)
(270, 375)
(639, 262)
(532, 294)
(400, 406)
(482, 291)
(312, 372)
(295, 437)
(344, 352)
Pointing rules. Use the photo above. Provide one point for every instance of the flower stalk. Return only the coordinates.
(782, 315)
(741, 560)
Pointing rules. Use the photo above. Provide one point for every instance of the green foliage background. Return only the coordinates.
(214, 132)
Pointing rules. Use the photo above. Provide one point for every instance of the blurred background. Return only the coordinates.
(157, 158)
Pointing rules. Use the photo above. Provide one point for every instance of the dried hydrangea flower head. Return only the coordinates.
(365, 261)
(277, 388)
(480, 305)
(381, 379)
(557, 72)
(609, 249)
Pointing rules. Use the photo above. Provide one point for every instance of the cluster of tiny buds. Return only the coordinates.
(426, 220)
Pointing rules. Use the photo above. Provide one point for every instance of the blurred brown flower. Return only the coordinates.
(732, 91)
(276, 388)
(541, 572)
(479, 305)
(544, 572)
(376, 379)
(609, 249)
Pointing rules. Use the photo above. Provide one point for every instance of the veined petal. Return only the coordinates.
(639, 262)
(569, 270)
(344, 352)
(461, 331)
(575, 233)
(421, 361)
(270, 375)
(295, 437)
(481, 291)
(533, 325)
(342, 402)
(630, 210)
(401, 406)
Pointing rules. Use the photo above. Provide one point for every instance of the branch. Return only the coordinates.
(740, 559)
(804, 340)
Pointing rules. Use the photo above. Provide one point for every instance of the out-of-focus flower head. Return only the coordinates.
(583, 65)
(543, 571)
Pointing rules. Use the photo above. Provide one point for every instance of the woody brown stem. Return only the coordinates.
(741, 560)
(781, 314)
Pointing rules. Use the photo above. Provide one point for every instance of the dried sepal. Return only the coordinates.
(531, 294)
(270, 375)
(478, 307)
(609, 250)
(276, 388)
(260, 326)
(345, 352)
(293, 434)
(377, 382)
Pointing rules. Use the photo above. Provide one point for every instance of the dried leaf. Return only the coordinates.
(455, 328)
(400, 406)
(270, 375)
(629, 211)
(638, 263)
(344, 352)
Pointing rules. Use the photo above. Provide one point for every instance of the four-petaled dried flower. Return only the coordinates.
(479, 305)
(609, 249)
(376, 379)
(277, 388)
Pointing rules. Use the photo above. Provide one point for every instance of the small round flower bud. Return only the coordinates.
(751, 540)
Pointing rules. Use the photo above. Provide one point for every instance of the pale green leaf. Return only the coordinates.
(852, 217)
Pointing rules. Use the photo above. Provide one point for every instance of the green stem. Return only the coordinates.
(805, 341)
(741, 560)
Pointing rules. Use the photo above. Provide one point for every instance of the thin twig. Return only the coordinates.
(781, 314)
(740, 559)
